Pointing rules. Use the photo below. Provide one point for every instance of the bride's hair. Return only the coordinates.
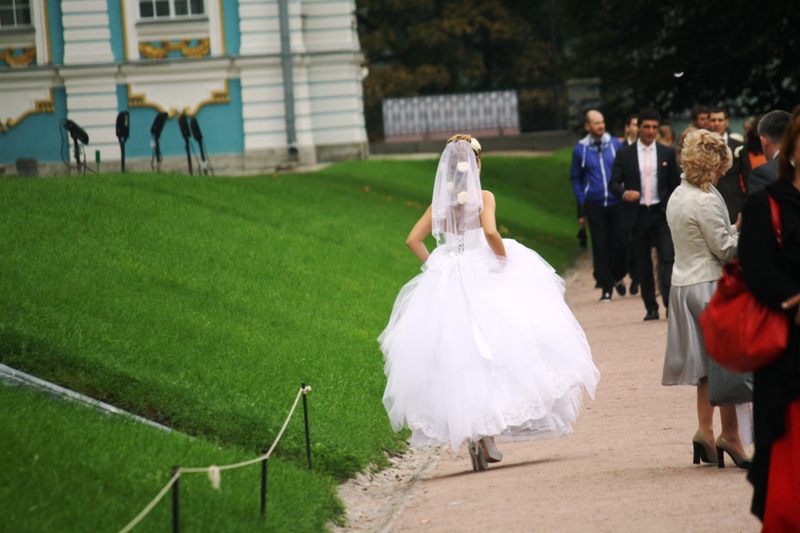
(476, 146)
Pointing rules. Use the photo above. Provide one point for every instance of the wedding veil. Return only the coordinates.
(457, 201)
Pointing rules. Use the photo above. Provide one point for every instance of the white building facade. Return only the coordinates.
(223, 62)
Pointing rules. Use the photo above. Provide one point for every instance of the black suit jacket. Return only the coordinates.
(761, 176)
(730, 185)
(625, 174)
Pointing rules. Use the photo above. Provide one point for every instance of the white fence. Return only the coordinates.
(484, 114)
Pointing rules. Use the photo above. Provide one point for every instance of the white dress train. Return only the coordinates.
(476, 349)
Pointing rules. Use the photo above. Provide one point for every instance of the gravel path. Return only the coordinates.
(627, 467)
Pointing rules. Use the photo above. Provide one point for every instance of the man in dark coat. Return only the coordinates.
(733, 185)
(645, 174)
(771, 128)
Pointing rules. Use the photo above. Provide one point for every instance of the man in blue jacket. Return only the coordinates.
(590, 174)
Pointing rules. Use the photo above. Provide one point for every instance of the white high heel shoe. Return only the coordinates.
(493, 455)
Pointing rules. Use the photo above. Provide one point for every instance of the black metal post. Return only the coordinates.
(189, 155)
(264, 484)
(175, 502)
(77, 152)
(122, 152)
(203, 158)
(308, 435)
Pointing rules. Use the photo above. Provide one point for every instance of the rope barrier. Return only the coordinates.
(214, 471)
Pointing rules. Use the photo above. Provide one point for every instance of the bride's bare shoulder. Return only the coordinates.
(487, 195)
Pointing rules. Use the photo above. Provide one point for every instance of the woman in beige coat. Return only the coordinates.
(704, 240)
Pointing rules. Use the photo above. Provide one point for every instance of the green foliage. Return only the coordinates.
(438, 47)
(203, 303)
(732, 53)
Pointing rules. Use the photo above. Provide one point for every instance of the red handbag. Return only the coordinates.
(741, 333)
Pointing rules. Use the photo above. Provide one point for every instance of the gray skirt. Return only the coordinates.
(686, 360)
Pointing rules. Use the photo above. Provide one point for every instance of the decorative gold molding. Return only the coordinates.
(140, 100)
(222, 26)
(22, 60)
(217, 97)
(39, 106)
(47, 32)
(124, 29)
(201, 49)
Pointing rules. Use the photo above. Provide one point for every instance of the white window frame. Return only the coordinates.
(14, 9)
(172, 15)
(34, 34)
(138, 29)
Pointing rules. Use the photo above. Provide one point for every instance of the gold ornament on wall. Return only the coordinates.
(39, 106)
(201, 49)
(22, 60)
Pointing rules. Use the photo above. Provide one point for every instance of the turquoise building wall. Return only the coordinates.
(56, 35)
(221, 125)
(39, 135)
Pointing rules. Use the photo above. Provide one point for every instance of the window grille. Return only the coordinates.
(15, 13)
(149, 9)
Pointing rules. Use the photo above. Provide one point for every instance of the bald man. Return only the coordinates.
(592, 160)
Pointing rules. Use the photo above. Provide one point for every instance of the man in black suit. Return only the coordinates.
(771, 128)
(645, 174)
(733, 185)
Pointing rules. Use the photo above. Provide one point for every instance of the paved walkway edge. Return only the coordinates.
(14, 377)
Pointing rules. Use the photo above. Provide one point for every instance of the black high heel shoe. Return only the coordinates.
(703, 449)
(723, 447)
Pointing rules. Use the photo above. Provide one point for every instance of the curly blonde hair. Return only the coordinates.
(476, 146)
(704, 154)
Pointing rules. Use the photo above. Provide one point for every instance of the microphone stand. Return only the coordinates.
(77, 150)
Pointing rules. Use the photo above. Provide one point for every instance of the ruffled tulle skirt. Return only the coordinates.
(475, 349)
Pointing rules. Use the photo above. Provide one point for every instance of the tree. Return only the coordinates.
(677, 54)
(417, 47)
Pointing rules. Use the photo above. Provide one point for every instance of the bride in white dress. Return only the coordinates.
(481, 344)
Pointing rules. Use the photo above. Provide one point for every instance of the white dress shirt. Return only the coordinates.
(642, 149)
(702, 234)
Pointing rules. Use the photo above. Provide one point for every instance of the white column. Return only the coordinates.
(92, 104)
(87, 37)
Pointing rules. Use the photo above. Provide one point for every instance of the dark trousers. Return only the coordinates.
(651, 227)
(609, 242)
(631, 209)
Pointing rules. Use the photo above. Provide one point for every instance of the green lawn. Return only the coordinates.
(69, 468)
(202, 303)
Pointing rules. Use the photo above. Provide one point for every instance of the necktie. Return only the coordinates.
(648, 178)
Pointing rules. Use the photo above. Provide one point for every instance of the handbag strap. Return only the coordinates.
(776, 219)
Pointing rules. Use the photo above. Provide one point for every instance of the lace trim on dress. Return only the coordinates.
(525, 417)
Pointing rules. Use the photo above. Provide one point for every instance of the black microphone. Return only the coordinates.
(185, 133)
(196, 133)
(158, 125)
(76, 132)
(123, 126)
(184, 125)
(123, 131)
(155, 131)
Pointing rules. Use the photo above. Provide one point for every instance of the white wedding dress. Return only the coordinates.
(474, 348)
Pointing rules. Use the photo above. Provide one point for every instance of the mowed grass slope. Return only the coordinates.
(203, 303)
(69, 468)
